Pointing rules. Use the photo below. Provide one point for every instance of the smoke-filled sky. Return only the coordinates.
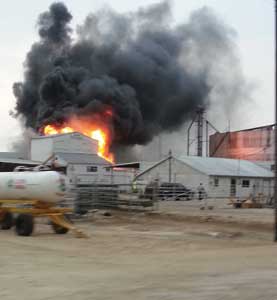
(251, 20)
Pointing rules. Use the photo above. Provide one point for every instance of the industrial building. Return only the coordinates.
(220, 177)
(255, 144)
(74, 153)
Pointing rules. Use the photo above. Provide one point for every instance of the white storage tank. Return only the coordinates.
(44, 186)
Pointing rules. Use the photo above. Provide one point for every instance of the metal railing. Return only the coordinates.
(148, 196)
(107, 196)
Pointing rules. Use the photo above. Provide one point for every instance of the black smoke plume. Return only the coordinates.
(139, 64)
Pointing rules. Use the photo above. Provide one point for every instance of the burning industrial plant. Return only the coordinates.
(96, 127)
(123, 78)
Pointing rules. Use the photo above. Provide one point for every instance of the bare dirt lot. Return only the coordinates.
(178, 253)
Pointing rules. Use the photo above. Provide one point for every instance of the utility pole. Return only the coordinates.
(275, 128)
(170, 166)
(207, 139)
(200, 113)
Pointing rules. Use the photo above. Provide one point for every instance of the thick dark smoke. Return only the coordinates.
(138, 64)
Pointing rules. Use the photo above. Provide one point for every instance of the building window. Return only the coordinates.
(91, 169)
(216, 181)
(246, 183)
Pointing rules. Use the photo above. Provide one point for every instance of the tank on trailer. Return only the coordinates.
(34, 193)
(47, 186)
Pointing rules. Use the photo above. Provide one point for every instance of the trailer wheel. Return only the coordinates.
(24, 224)
(58, 229)
(237, 205)
(7, 221)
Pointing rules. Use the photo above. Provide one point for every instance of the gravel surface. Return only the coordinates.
(173, 255)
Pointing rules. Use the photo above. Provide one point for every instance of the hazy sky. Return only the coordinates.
(253, 21)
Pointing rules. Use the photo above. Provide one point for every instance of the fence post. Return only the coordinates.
(155, 197)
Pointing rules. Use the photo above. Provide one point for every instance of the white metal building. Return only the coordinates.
(42, 147)
(220, 177)
(76, 153)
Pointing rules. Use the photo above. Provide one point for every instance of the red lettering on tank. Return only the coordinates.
(19, 184)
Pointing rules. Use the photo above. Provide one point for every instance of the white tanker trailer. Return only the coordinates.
(47, 186)
(31, 194)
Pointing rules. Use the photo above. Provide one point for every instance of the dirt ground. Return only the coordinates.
(178, 253)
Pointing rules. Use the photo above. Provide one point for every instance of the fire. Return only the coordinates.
(50, 130)
(96, 130)
(66, 130)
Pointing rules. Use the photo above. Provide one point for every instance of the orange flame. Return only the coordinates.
(99, 132)
(50, 130)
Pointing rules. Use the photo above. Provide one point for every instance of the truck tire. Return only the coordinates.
(24, 225)
(7, 221)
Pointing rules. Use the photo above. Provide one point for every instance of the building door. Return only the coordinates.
(233, 187)
(256, 188)
(266, 190)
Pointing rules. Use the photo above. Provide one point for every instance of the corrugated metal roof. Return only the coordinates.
(53, 136)
(12, 155)
(19, 161)
(226, 167)
(82, 158)
(269, 165)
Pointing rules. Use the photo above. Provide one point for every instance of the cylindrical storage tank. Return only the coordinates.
(45, 186)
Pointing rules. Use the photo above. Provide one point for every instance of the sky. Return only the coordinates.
(253, 21)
